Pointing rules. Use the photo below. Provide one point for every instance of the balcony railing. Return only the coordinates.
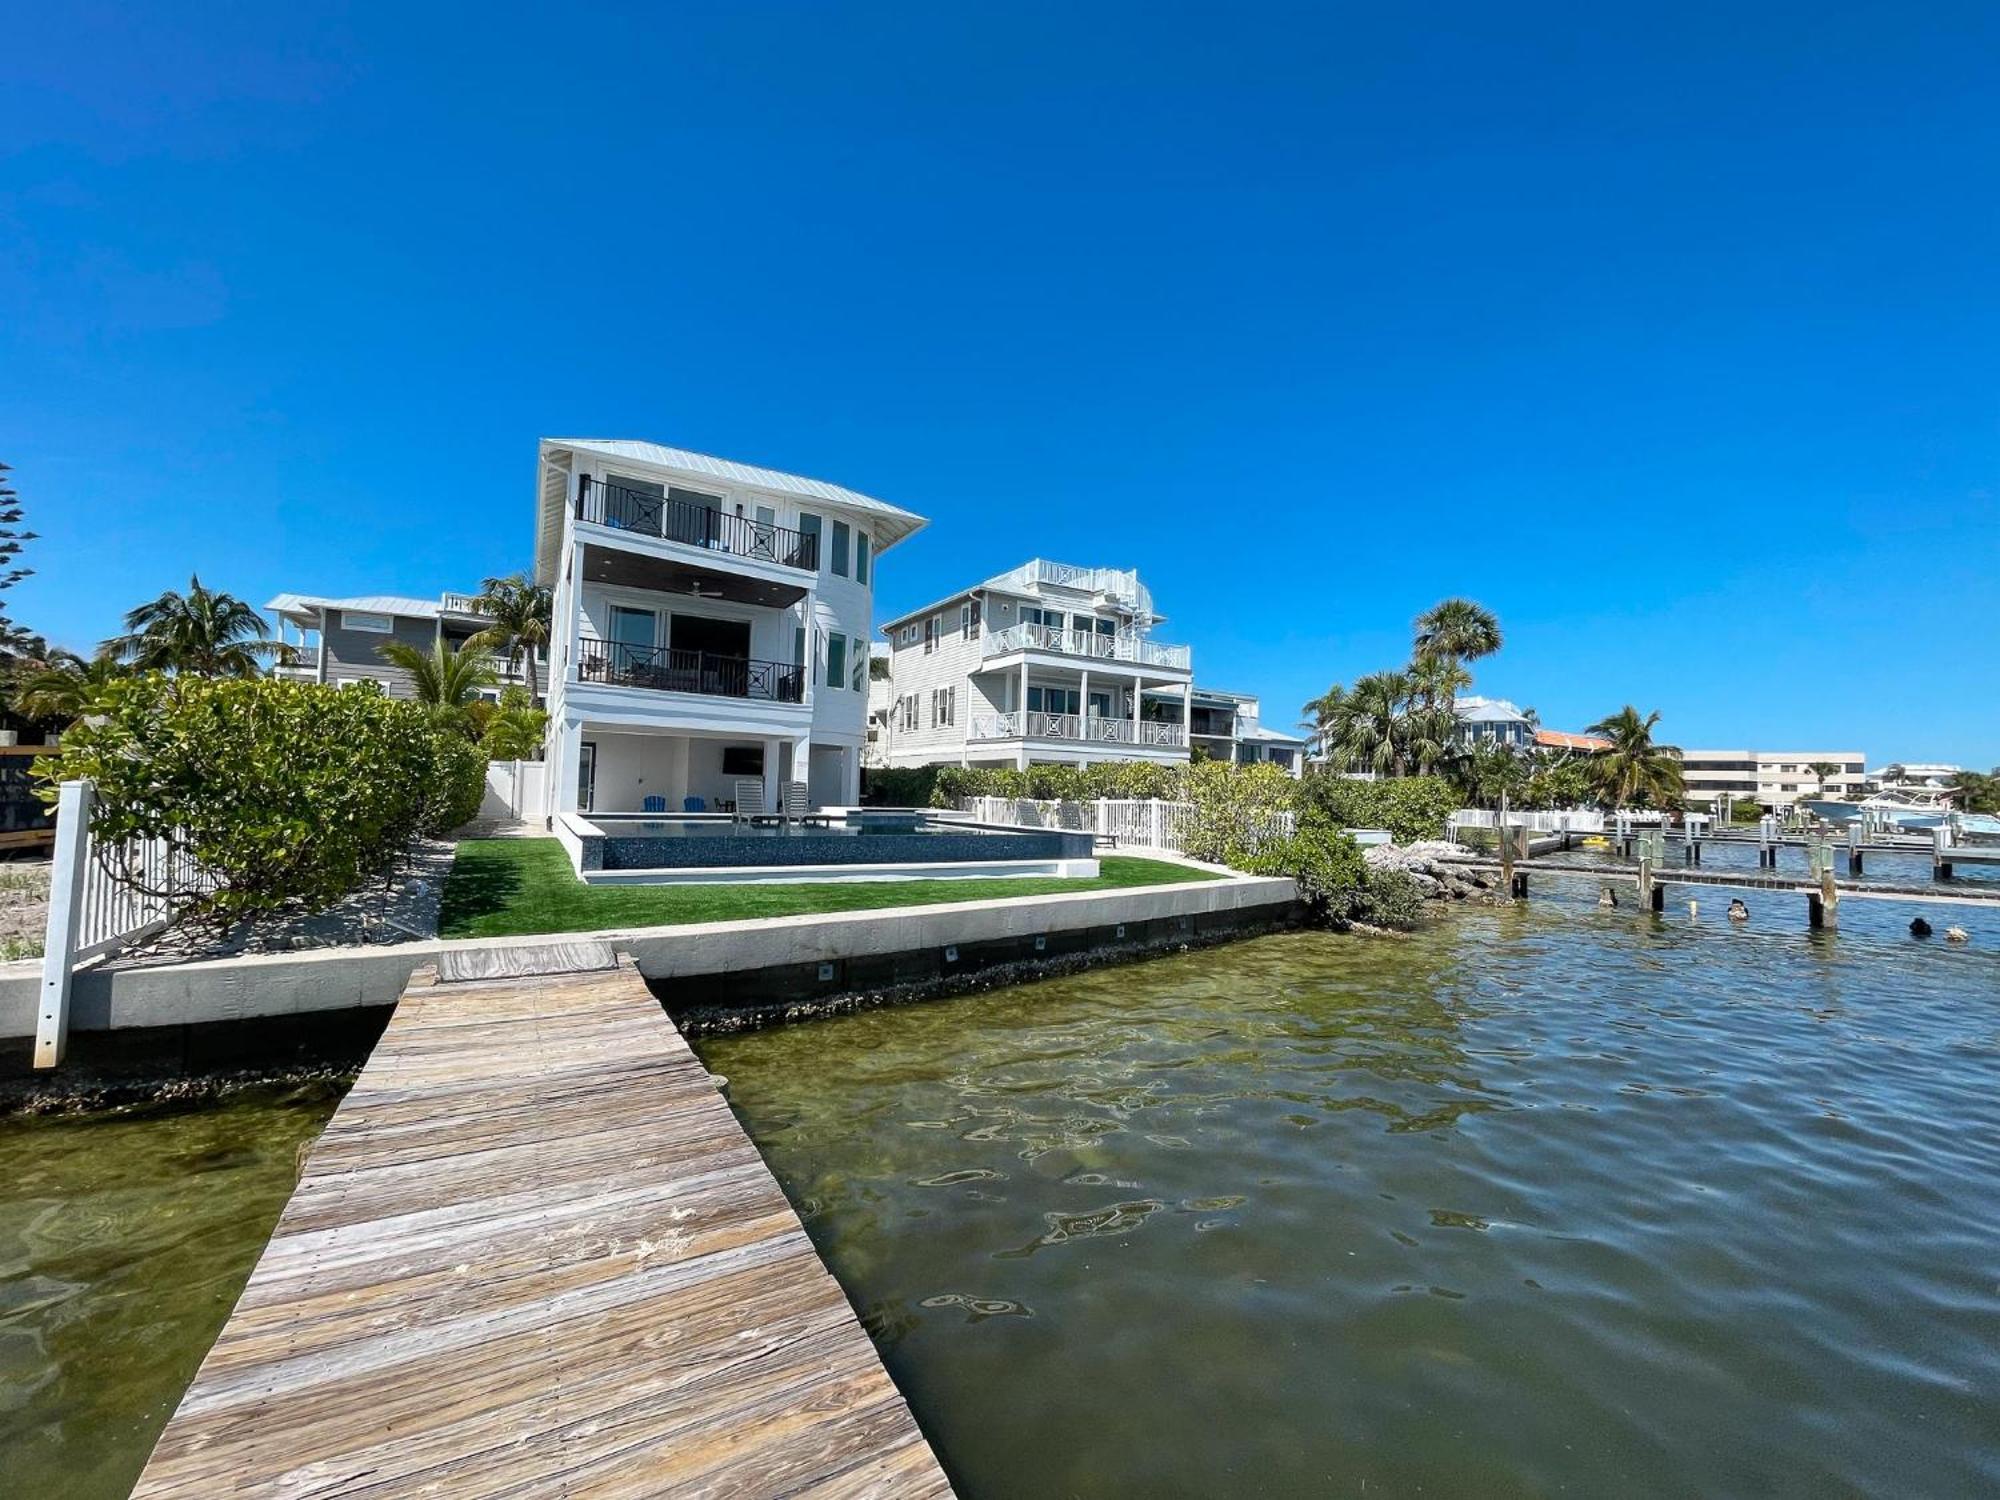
(669, 671)
(700, 526)
(1123, 646)
(1034, 725)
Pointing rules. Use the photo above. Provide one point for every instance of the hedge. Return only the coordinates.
(288, 795)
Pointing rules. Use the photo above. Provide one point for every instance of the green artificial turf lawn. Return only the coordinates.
(504, 887)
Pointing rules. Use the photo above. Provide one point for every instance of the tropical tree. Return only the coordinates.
(202, 633)
(444, 679)
(1979, 791)
(1456, 630)
(516, 728)
(1320, 715)
(1368, 734)
(521, 611)
(1823, 769)
(66, 687)
(1487, 771)
(1636, 769)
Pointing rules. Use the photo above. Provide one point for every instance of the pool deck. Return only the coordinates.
(534, 1253)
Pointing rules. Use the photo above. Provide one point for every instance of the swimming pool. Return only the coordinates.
(912, 840)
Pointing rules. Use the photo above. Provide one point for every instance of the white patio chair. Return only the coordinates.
(749, 801)
(796, 808)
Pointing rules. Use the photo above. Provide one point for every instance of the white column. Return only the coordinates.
(565, 761)
(1187, 714)
(1135, 708)
(1021, 704)
(802, 759)
(811, 653)
(1083, 705)
(772, 786)
(850, 776)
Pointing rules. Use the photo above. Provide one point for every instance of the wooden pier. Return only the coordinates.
(535, 1254)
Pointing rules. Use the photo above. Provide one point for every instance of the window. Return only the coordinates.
(840, 535)
(836, 661)
(354, 619)
(857, 657)
(907, 636)
(808, 540)
(798, 645)
(906, 711)
(944, 703)
(860, 557)
(1050, 700)
(931, 628)
(968, 619)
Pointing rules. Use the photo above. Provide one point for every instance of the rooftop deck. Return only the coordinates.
(534, 1253)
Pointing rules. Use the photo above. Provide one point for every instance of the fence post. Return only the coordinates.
(1159, 824)
(66, 882)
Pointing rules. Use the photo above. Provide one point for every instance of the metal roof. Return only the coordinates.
(371, 604)
(894, 523)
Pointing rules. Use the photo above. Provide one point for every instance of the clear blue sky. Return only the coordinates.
(1673, 339)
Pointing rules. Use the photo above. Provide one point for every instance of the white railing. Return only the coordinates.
(1120, 585)
(1146, 823)
(1122, 645)
(101, 898)
(462, 604)
(1035, 725)
(1577, 820)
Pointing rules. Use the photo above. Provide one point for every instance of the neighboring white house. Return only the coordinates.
(1773, 778)
(881, 705)
(712, 623)
(1228, 727)
(340, 640)
(1047, 663)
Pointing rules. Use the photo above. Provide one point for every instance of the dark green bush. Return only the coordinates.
(899, 786)
(287, 794)
(1410, 807)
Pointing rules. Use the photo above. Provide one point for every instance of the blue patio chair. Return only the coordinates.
(694, 804)
(653, 804)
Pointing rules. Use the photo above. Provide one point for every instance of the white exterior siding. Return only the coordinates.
(688, 542)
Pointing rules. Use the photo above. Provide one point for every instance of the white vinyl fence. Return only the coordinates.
(514, 789)
(100, 900)
(1144, 823)
(1574, 820)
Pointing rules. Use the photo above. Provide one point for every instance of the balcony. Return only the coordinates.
(702, 526)
(665, 670)
(1124, 646)
(1033, 725)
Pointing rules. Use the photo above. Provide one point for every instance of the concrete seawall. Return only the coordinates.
(698, 964)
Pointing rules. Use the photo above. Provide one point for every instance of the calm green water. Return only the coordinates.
(124, 1240)
(1542, 1201)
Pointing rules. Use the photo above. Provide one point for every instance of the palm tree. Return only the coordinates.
(1458, 630)
(443, 678)
(66, 687)
(1369, 732)
(516, 729)
(1321, 714)
(1823, 769)
(521, 611)
(202, 633)
(1634, 766)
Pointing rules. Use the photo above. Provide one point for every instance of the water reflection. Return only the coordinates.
(1542, 1199)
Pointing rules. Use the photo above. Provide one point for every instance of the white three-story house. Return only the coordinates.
(711, 624)
(1047, 663)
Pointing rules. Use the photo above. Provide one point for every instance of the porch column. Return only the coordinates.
(1187, 715)
(1021, 704)
(1083, 706)
(810, 614)
(1135, 708)
(772, 785)
(802, 760)
(850, 776)
(565, 758)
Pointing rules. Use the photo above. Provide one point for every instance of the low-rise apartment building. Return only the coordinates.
(1772, 778)
(340, 640)
(1045, 664)
(711, 624)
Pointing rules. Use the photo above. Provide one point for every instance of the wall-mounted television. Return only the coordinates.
(742, 760)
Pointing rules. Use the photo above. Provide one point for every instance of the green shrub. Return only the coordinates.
(1390, 898)
(287, 794)
(1410, 807)
(1327, 865)
(899, 786)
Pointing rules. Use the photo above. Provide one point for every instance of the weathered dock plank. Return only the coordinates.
(533, 1253)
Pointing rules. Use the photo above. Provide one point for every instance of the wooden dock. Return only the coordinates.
(1748, 880)
(535, 1254)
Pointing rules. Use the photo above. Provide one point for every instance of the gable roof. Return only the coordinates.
(891, 522)
(1556, 739)
(371, 604)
